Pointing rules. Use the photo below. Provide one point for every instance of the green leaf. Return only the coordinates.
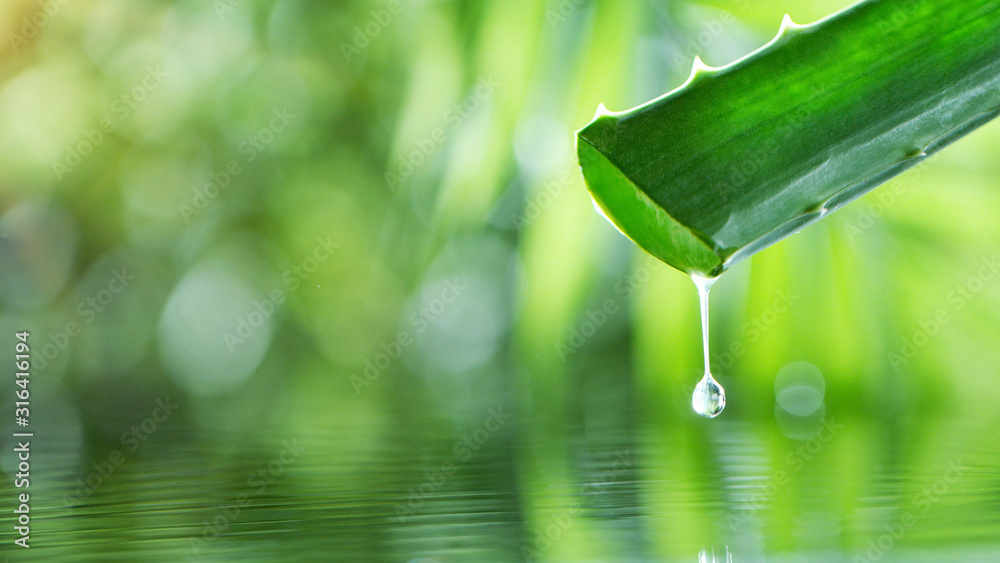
(742, 156)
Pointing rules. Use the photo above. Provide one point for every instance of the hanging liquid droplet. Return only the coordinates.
(709, 398)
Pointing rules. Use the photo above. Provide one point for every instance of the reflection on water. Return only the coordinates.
(715, 554)
(435, 490)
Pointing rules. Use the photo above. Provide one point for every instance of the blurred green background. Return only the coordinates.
(320, 281)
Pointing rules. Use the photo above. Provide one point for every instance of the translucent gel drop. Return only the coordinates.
(709, 397)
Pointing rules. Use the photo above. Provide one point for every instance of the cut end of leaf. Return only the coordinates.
(707, 176)
(640, 219)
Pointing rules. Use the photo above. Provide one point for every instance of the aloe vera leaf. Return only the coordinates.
(739, 157)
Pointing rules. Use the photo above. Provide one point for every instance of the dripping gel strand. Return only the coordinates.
(709, 398)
